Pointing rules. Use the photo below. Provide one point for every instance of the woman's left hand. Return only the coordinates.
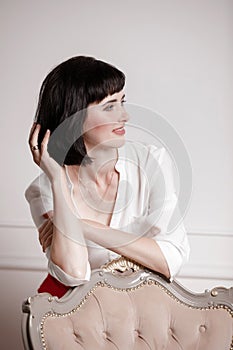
(46, 234)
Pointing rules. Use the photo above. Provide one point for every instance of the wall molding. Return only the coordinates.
(17, 224)
(191, 232)
(193, 269)
(207, 271)
(206, 233)
(23, 263)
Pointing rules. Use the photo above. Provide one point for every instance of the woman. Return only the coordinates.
(98, 196)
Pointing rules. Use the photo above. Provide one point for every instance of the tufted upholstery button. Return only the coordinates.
(105, 334)
(136, 333)
(202, 328)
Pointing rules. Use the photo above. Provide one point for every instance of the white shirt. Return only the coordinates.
(146, 200)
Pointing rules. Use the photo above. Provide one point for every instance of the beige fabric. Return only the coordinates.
(145, 318)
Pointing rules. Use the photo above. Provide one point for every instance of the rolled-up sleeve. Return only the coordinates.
(40, 199)
(160, 218)
(65, 278)
(164, 213)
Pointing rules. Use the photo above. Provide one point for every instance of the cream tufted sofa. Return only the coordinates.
(126, 307)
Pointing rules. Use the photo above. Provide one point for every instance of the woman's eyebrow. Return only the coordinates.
(115, 100)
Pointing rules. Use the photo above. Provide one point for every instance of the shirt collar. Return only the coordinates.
(120, 160)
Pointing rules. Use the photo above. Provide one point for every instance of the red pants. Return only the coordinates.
(53, 286)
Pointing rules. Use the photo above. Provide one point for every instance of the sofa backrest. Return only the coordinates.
(127, 307)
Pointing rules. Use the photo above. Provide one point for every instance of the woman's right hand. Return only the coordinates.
(41, 156)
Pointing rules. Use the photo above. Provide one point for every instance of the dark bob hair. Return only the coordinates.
(69, 88)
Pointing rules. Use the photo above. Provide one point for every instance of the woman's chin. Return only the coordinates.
(113, 142)
(116, 142)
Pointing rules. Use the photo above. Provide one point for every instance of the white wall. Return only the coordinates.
(177, 57)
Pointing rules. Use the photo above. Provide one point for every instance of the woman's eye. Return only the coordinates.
(108, 108)
(111, 107)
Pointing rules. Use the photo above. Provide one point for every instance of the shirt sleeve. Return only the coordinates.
(162, 220)
(164, 212)
(40, 199)
(65, 278)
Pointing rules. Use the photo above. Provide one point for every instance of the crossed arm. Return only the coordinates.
(144, 250)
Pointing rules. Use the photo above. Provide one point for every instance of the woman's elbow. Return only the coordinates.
(75, 271)
(166, 271)
(72, 267)
(162, 268)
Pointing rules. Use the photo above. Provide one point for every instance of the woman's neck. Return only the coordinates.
(100, 171)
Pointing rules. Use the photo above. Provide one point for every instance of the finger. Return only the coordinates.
(45, 231)
(31, 131)
(45, 141)
(45, 239)
(48, 231)
(33, 142)
(47, 222)
(47, 243)
(48, 236)
(42, 227)
(34, 135)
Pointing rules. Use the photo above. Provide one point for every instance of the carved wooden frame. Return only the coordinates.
(120, 274)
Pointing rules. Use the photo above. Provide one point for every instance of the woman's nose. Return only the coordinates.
(124, 116)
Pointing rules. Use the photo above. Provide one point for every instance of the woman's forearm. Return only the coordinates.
(68, 249)
(143, 250)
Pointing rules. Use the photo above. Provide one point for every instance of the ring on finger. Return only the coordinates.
(35, 148)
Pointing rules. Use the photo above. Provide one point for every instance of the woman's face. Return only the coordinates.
(104, 124)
